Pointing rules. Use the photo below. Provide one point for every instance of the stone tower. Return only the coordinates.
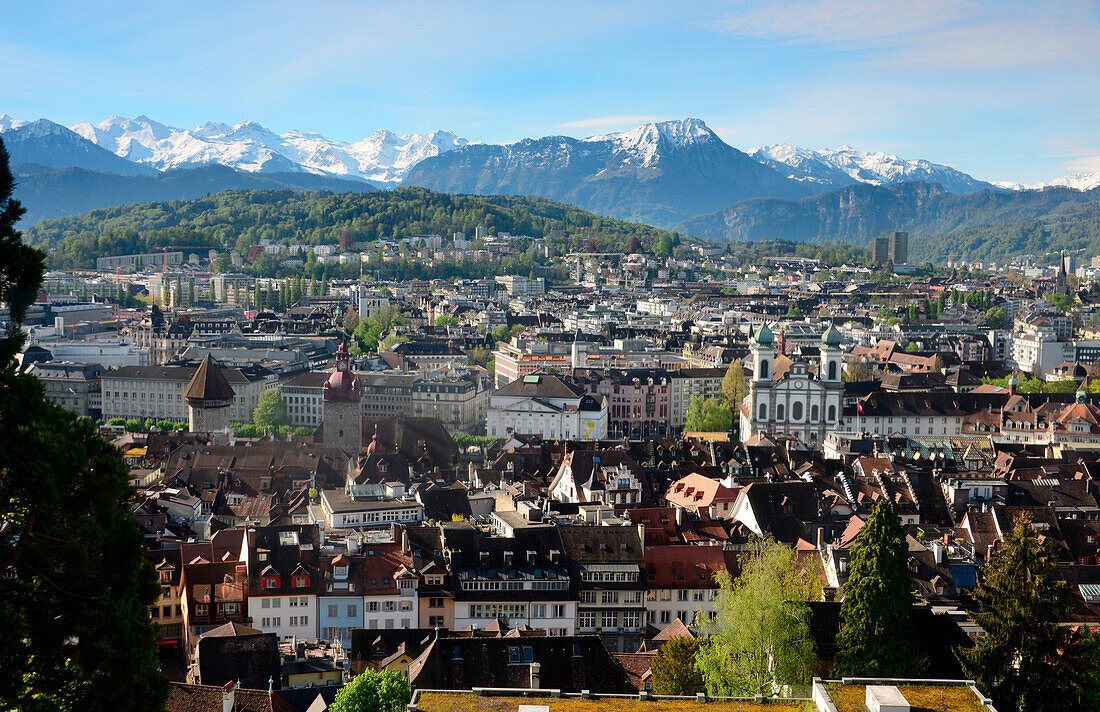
(341, 412)
(208, 397)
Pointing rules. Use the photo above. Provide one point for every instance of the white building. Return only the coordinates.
(788, 397)
(546, 405)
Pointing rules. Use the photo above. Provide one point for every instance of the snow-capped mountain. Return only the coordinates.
(1077, 181)
(835, 168)
(45, 143)
(660, 172)
(382, 157)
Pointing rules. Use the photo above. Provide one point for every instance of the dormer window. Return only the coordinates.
(200, 609)
(271, 582)
(340, 572)
(301, 581)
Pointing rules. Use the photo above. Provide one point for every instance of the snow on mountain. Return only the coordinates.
(646, 144)
(830, 166)
(46, 143)
(1077, 181)
(382, 157)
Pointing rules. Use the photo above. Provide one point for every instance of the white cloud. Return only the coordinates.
(932, 34)
(603, 122)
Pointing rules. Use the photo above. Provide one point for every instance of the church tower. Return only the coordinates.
(763, 354)
(341, 412)
(208, 398)
(831, 355)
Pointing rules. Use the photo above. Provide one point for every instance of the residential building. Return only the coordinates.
(73, 386)
(157, 392)
(284, 579)
(549, 406)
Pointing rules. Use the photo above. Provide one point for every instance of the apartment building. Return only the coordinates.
(73, 386)
(157, 392)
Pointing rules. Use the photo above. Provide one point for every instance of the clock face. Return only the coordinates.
(342, 365)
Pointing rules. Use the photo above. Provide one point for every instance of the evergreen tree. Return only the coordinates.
(674, 670)
(1026, 659)
(21, 267)
(877, 637)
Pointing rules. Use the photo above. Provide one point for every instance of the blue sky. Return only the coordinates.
(1005, 90)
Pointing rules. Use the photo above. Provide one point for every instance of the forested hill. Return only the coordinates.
(984, 225)
(240, 219)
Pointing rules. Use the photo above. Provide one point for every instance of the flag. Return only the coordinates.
(859, 406)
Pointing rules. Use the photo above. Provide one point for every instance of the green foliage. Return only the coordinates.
(708, 415)
(21, 267)
(373, 691)
(794, 312)
(1064, 302)
(370, 330)
(674, 671)
(390, 341)
(270, 411)
(463, 440)
(995, 318)
(877, 637)
(912, 348)
(446, 320)
(1030, 384)
(1026, 659)
(735, 386)
(241, 219)
(75, 632)
(759, 639)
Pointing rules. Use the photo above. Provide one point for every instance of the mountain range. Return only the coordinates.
(671, 174)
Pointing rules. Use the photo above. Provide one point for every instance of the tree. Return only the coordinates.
(21, 267)
(351, 320)
(735, 386)
(708, 415)
(995, 318)
(912, 347)
(446, 320)
(502, 333)
(373, 691)
(759, 639)
(857, 371)
(270, 411)
(390, 341)
(75, 632)
(877, 637)
(369, 331)
(794, 312)
(1027, 659)
(674, 670)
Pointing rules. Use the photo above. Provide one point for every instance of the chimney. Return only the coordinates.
(821, 538)
(580, 681)
(300, 651)
(937, 551)
(458, 670)
(229, 696)
(679, 516)
(641, 534)
(536, 673)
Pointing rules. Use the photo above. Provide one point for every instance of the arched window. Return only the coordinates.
(763, 368)
(832, 370)
(763, 411)
(779, 412)
(814, 414)
(832, 413)
(796, 410)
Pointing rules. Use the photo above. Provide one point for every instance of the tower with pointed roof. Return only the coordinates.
(341, 409)
(208, 398)
(763, 353)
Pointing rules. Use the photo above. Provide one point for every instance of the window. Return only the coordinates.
(538, 610)
(519, 654)
(796, 410)
(832, 413)
(294, 620)
(609, 619)
(631, 619)
(587, 619)
(353, 610)
(682, 594)
(763, 411)
(832, 370)
(763, 369)
(610, 597)
(301, 581)
(435, 603)
(333, 610)
(666, 617)
(340, 572)
(559, 610)
(435, 621)
(201, 609)
(780, 411)
(815, 414)
(271, 582)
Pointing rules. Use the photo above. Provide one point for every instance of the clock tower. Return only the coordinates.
(341, 409)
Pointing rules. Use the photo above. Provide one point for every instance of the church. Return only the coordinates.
(795, 398)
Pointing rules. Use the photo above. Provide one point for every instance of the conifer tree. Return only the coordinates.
(877, 637)
(1026, 659)
(674, 670)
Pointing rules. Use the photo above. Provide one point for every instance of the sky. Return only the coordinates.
(1005, 91)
